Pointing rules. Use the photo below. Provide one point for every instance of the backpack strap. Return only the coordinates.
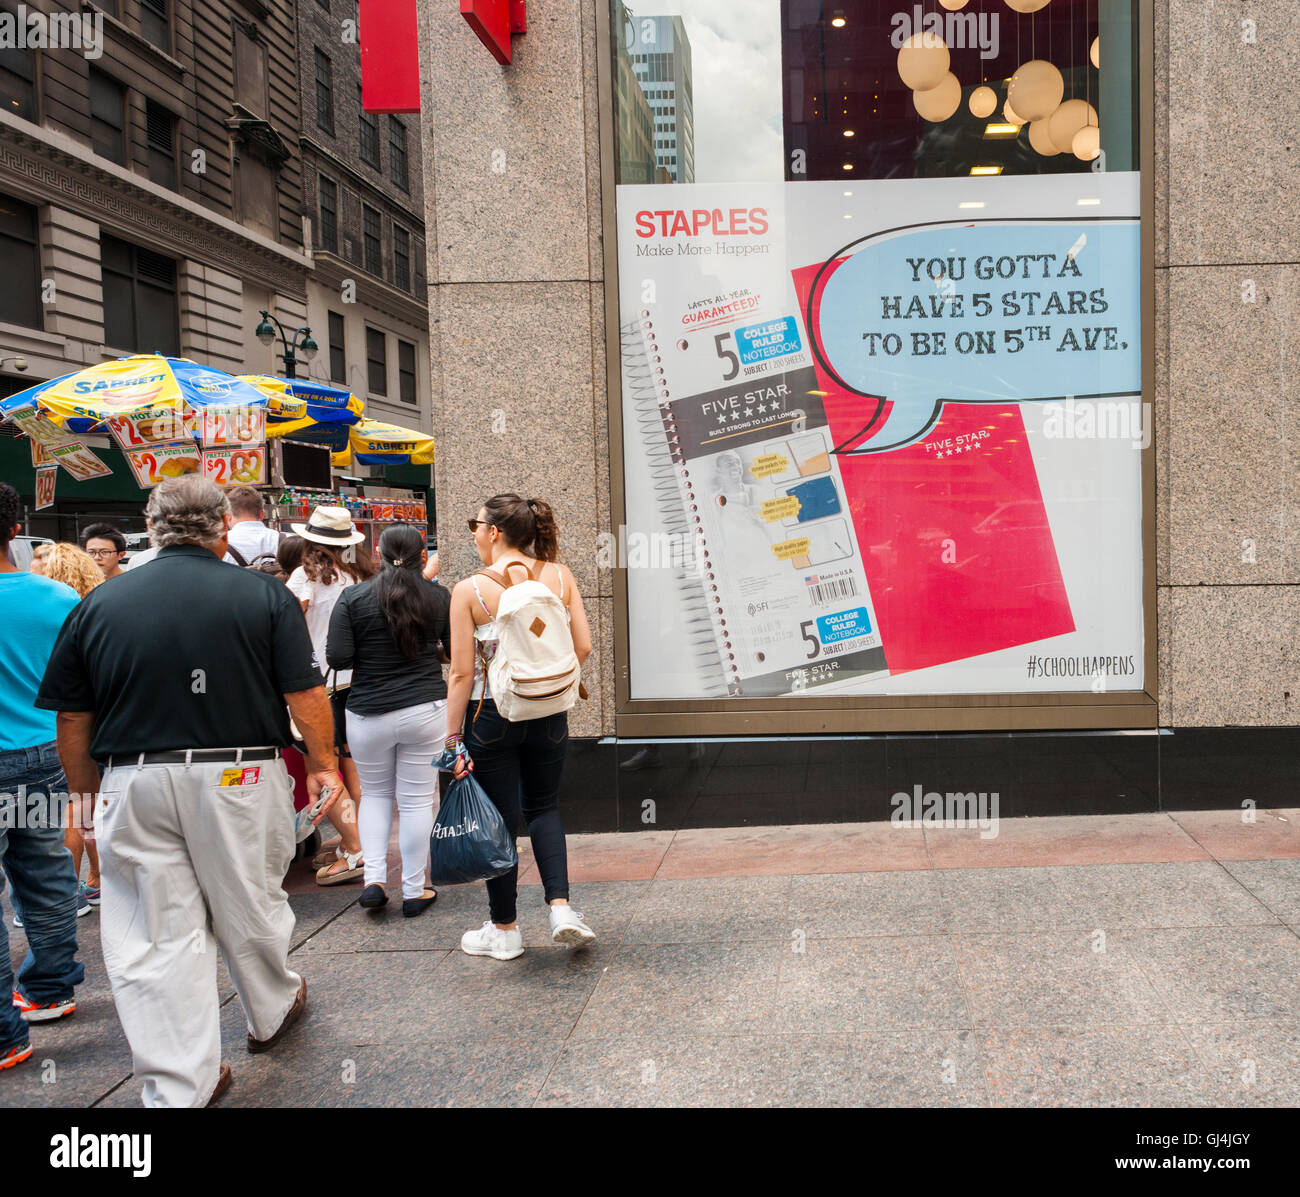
(239, 557)
(500, 579)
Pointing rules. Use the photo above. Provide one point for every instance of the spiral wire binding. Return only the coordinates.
(703, 621)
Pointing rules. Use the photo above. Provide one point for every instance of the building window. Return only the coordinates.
(18, 80)
(406, 371)
(140, 310)
(338, 349)
(160, 133)
(369, 127)
(324, 94)
(329, 215)
(376, 362)
(372, 235)
(107, 117)
(20, 301)
(155, 27)
(250, 70)
(401, 258)
(397, 153)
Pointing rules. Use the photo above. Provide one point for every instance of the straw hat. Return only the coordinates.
(330, 525)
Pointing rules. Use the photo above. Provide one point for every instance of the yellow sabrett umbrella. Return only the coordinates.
(373, 442)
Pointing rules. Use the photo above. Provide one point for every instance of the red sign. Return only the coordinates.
(494, 21)
(390, 56)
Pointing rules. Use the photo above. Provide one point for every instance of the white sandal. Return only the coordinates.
(351, 873)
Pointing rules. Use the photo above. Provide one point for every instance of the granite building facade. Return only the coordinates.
(523, 274)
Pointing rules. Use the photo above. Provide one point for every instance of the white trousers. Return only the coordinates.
(189, 865)
(394, 755)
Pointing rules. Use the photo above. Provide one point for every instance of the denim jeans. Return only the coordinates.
(42, 880)
(519, 764)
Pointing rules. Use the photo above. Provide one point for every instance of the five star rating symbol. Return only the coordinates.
(958, 450)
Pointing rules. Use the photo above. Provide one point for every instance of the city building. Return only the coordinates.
(166, 174)
(903, 441)
(363, 201)
(151, 186)
(660, 54)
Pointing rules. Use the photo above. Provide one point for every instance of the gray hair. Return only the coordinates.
(186, 510)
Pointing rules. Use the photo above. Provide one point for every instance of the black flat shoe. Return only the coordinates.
(413, 906)
(372, 897)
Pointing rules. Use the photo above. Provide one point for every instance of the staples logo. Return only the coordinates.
(670, 222)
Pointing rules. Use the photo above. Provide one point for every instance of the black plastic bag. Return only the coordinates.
(470, 840)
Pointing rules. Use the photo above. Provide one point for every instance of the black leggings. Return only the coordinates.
(519, 764)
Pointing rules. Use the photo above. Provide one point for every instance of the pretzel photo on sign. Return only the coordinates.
(246, 467)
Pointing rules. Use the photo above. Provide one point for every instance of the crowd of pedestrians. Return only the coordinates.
(170, 737)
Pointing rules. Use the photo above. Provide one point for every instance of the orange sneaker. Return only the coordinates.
(15, 1055)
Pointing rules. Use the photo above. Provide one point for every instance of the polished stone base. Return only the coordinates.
(642, 785)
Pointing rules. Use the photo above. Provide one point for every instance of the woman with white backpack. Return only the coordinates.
(519, 635)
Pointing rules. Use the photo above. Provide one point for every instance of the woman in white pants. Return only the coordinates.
(393, 633)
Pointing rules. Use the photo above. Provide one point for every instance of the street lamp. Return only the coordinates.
(265, 333)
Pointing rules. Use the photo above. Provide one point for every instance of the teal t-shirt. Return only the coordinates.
(32, 610)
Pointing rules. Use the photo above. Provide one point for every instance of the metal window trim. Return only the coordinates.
(1000, 712)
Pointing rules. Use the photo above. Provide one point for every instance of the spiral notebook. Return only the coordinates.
(772, 585)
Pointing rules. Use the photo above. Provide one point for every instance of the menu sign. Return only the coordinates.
(231, 467)
(154, 465)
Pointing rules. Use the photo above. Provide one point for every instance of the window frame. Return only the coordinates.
(378, 270)
(328, 85)
(9, 239)
(330, 244)
(367, 123)
(141, 341)
(96, 120)
(372, 361)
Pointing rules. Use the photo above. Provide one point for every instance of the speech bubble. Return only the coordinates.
(990, 312)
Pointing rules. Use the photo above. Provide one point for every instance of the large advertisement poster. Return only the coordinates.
(883, 438)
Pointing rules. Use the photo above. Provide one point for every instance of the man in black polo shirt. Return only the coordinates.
(176, 677)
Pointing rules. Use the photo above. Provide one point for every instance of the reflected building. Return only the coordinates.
(660, 55)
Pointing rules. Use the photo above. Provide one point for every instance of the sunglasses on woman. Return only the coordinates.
(474, 524)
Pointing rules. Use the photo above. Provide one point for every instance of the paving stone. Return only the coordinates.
(658, 989)
(1276, 883)
(741, 908)
(1254, 1063)
(848, 906)
(869, 984)
(1055, 980)
(1101, 1066)
(1214, 975)
(920, 1068)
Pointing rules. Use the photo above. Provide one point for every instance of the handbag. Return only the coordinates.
(470, 840)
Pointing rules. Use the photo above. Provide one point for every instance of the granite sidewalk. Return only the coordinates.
(1132, 960)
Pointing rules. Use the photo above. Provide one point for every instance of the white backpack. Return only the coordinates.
(535, 671)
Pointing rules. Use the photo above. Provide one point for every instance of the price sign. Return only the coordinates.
(79, 461)
(40, 454)
(224, 426)
(37, 425)
(146, 426)
(156, 464)
(235, 467)
(45, 486)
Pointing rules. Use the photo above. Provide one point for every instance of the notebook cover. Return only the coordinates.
(953, 529)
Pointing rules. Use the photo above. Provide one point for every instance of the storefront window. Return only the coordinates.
(880, 315)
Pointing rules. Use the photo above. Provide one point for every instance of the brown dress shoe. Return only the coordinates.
(295, 1013)
(223, 1083)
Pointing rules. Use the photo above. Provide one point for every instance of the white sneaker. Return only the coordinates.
(568, 928)
(490, 940)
